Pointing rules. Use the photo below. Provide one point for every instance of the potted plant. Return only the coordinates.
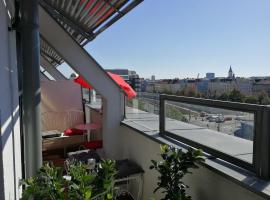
(175, 164)
(76, 182)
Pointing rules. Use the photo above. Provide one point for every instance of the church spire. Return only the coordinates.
(230, 73)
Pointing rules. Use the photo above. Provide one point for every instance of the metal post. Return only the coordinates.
(162, 115)
(261, 153)
(125, 107)
(31, 86)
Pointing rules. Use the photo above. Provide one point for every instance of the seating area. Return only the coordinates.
(68, 133)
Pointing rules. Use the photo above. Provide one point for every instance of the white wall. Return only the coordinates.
(61, 105)
(204, 183)
(59, 96)
(10, 155)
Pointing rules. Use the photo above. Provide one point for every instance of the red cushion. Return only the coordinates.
(73, 131)
(95, 144)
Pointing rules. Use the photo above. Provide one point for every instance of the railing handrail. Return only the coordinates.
(261, 142)
(237, 106)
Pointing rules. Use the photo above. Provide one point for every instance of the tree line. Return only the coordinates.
(234, 95)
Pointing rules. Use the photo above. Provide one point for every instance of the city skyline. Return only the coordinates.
(68, 71)
(200, 75)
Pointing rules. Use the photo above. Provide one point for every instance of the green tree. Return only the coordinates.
(251, 99)
(223, 97)
(166, 91)
(236, 96)
(191, 92)
(263, 98)
(181, 93)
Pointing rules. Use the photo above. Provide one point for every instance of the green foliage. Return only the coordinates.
(82, 184)
(263, 98)
(236, 96)
(48, 184)
(166, 91)
(174, 166)
(189, 92)
(251, 99)
(174, 113)
(223, 97)
(105, 175)
(141, 105)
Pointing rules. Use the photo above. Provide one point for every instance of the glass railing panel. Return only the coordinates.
(224, 131)
(144, 103)
(234, 123)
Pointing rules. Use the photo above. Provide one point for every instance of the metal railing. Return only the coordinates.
(261, 141)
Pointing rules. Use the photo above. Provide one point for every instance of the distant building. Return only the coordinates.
(143, 84)
(202, 85)
(261, 85)
(210, 75)
(131, 77)
(244, 85)
(150, 86)
(135, 82)
(124, 73)
(132, 73)
(230, 73)
(219, 86)
(153, 78)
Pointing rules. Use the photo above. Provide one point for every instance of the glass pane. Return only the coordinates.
(86, 95)
(228, 131)
(147, 102)
(143, 111)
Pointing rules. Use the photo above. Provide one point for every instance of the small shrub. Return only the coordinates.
(78, 183)
(175, 164)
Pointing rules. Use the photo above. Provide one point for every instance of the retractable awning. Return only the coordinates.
(118, 79)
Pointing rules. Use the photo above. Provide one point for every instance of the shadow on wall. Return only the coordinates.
(7, 130)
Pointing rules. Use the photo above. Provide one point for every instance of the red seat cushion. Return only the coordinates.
(95, 144)
(73, 131)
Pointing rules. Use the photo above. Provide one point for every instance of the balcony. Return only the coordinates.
(224, 152)
(233, 170)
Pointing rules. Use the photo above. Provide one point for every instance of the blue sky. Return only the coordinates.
(181, 38)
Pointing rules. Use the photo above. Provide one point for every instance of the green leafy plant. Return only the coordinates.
(175, 164)
(105, 175)
(77, 182)
(175, 113)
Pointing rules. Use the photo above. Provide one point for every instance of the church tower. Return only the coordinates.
(230, 73)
